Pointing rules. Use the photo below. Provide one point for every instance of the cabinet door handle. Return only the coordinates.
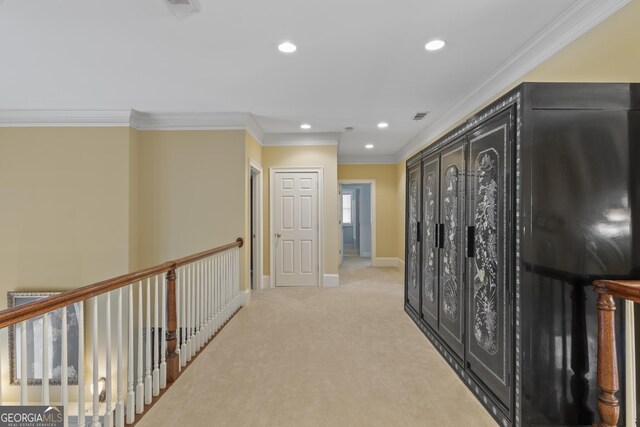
(471, 241)
(441, 236)
(437, 239)
(418, 231)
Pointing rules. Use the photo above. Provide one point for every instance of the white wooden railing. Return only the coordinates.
(183, 302)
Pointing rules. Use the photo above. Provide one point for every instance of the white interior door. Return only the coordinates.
(295, 221)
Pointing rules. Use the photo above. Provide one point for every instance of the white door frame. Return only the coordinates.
(372, 182)
(258, 206)
(272, 259)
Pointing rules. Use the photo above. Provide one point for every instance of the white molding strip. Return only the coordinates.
(300, 139)
(254, 129)
(367, 160)
(245, 297)
(330, 280)
(63, 118)
(579, 18)
(386, 262)
(189, 121)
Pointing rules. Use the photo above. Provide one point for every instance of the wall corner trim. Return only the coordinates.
(330, 280)
(245, 297)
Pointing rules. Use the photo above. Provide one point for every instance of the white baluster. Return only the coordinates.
(205, 266)
(178, 318)
(630, 364)
(212, 326)
(140, 383)
(81, 405)
(108, 415)
(183, 316)
(203, 298)
(24, 360)
(156, 361)
(45, 360)
(147, 365)
(187, 272)
(119, 351)
(237, 288)
(198, 305)
(131, 394)
(218, 283)
(192, 280)
(163, 335)
(1, 370)
(94, 351)
(64, 365)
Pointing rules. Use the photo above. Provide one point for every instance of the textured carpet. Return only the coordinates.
(346, 356)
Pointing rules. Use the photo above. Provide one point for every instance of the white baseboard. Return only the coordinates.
(386, 262)
(266, 282)
(400, 263)
(330, 281)
(245, 297)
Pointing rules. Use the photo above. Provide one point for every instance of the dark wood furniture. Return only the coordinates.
(510, 218)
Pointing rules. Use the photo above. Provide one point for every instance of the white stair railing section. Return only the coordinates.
(138, 345)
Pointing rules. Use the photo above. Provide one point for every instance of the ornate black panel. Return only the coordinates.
(431, 210)
(452, 252)
(489, 322)
(413, 243)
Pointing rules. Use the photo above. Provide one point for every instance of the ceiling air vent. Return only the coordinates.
(182, 9)
(420, 116)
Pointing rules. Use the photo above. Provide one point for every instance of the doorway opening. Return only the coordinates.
(357, 225)
(255, 226)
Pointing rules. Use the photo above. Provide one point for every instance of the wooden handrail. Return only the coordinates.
(27, 311)
(608, 405)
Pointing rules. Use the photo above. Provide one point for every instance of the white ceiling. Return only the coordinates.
(358, 61)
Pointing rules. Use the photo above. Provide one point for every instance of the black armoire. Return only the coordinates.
(509, 219)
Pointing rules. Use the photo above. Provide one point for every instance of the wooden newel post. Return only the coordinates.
(608, 405)
(173, 362)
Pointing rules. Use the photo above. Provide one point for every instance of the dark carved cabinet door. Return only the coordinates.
(452, 237)
(489, 189)
(430, 212)
(412, 238)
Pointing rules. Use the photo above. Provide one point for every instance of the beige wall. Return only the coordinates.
(64, 219)
(401, 177)
(386, 203)
(192, 193)
(253, 154)
(325, 156)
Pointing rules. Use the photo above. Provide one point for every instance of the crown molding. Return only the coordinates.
(190, 121)
(255, 129)
(63, 118)
(579, 18)
(367, 160)
(301, 139)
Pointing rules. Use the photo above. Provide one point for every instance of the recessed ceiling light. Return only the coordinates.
(287, 47)
(305, 126)
(383, 125)
(434, 45)
(368, 146)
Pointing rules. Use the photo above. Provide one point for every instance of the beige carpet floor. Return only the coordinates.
(346, 356)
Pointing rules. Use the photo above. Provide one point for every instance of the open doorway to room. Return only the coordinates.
(357, 214)
(255, 224)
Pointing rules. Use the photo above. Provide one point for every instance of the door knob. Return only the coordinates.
(278, 235)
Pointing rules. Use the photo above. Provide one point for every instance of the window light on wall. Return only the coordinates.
(346, 208)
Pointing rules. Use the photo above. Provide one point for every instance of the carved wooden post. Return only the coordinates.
(608, 405)
(172, 356)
